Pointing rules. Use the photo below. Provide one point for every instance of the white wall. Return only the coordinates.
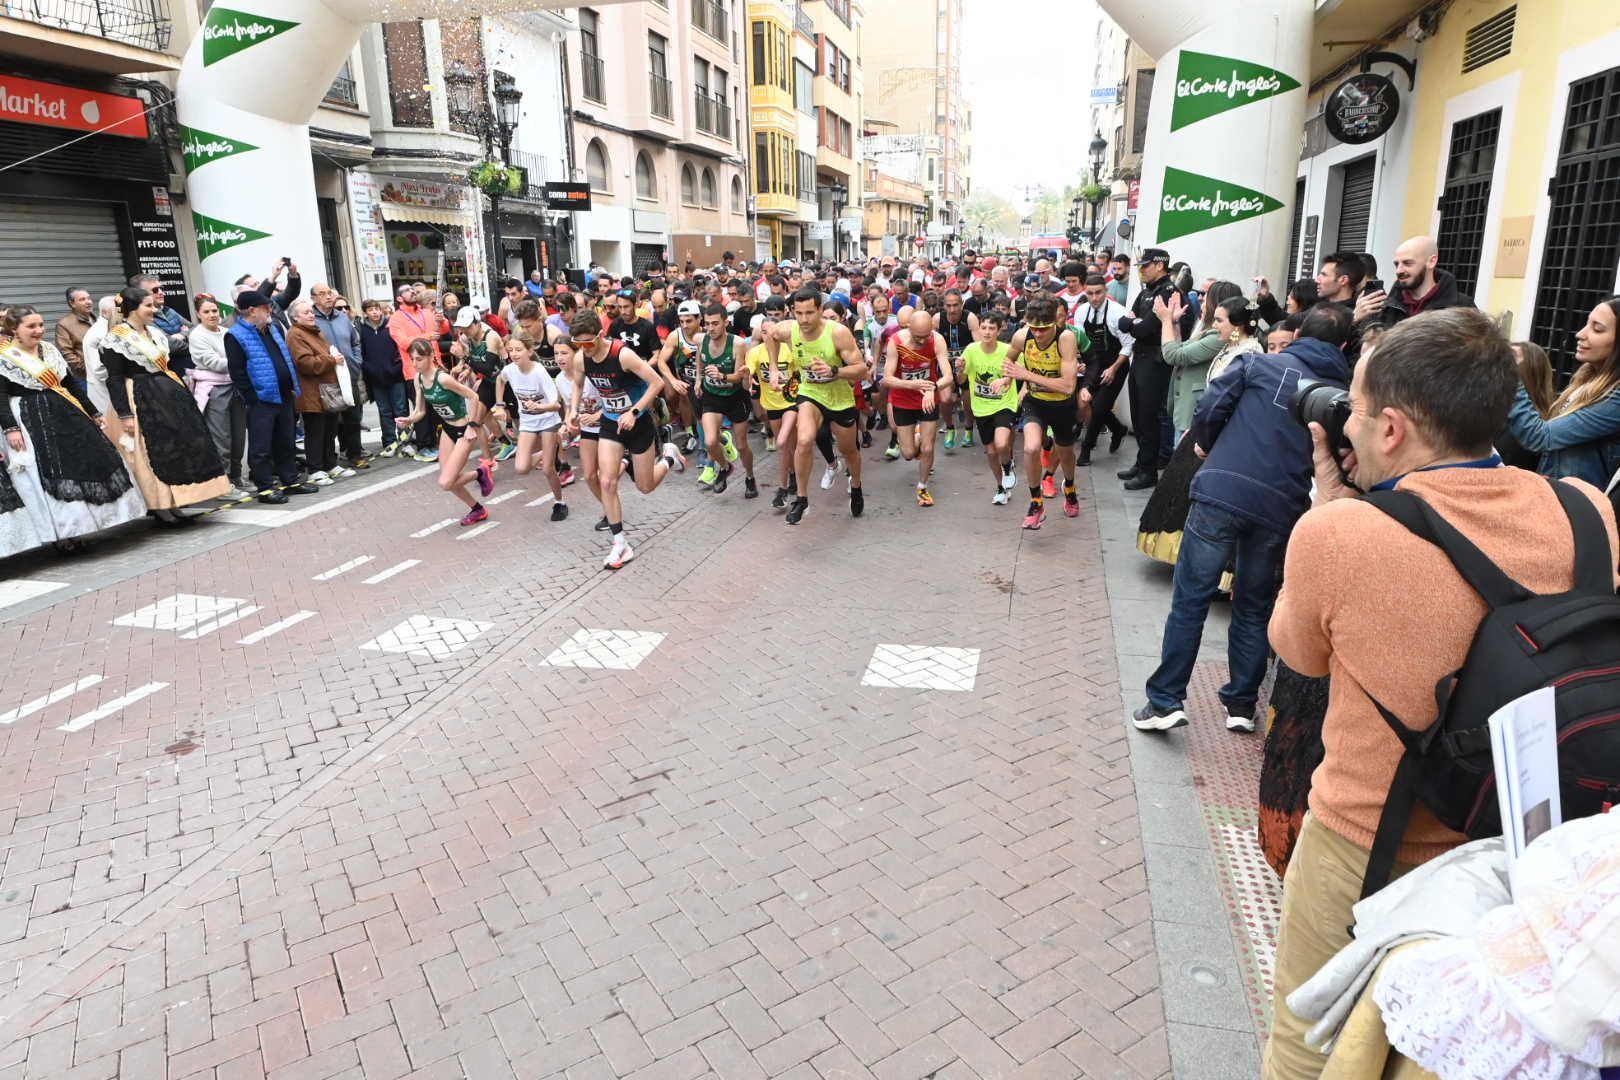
(529, 48)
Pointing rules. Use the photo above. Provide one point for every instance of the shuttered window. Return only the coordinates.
(1294, 234)
(1469, 166)
(1355, 204)
(83, 252)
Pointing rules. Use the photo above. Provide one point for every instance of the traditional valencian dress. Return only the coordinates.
(68, 478)
(173, 458)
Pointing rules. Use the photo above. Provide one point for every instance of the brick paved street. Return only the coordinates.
(849, 799)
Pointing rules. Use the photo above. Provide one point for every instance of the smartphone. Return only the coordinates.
(1373, 285)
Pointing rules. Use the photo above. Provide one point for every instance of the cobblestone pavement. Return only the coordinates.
(358, 796)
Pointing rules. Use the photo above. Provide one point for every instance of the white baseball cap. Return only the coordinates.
(466, 317)
(690, 307)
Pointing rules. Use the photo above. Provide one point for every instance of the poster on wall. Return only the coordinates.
(370, 237)
(157, 245)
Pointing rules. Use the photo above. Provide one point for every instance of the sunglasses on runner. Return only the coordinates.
(582, 342)
(1040, 325)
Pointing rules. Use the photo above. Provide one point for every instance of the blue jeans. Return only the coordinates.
(1209, 541)
(391, 404)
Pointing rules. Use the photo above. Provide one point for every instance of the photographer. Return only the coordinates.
(1253, 486)
(1387, 615)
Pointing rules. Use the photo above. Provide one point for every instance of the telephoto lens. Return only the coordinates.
(1324, 403)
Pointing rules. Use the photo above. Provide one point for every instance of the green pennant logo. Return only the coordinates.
(199, 147)
(1207, 84)
(215, 236)
(1193, 203)
(227, 32)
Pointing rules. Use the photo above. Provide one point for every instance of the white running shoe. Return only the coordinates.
(829, 474)
(677, 460)
(620, 554)
(320, 479)
(339, 472)
(999, 498)
(1008, 480)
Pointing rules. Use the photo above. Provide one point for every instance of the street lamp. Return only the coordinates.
(496, 126)
(1099, 150)
(839, 193)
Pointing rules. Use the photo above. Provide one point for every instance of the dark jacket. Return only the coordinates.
(1443, 295)
(1144, 326)
(281, 301)
(1259, 460)
(379, 356)
(312, 356)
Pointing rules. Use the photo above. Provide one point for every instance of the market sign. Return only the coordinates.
(1192, 203)
(1207, 85)
(561, 196)
(1362, 108)
(27, 101)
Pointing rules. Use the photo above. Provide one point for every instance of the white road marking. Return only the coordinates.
(922, 667)
(428, 635)
(116, 705)
(616, 650)
(275, 519)
(59, 694)
(541, 501)
(225, 620)
(497, 500)
(182, 611)
(478, 530)
(397, 568)
(276, 627)
(435, 527)
(17, 590)
(342, 568)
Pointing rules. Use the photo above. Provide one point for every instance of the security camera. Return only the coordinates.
(1421, 28)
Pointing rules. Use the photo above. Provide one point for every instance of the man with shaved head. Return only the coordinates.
(1420, 283)
(918, 376)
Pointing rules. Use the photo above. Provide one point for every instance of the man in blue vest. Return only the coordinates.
(262, 371)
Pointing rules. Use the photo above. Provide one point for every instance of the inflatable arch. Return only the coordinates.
(248, 86)
(1224, 129)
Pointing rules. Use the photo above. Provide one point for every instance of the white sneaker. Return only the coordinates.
(1239, 722)
(828, 475)
(320, 479)
(999, 498)
(1008, 481)
(620, 553)
(341, 471)
(677, 460)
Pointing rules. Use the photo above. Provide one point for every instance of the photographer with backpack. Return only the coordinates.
(1451, 564)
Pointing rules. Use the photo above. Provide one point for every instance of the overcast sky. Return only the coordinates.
(1015, 52)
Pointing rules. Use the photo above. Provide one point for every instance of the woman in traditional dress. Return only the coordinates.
(164, 440)
(1232, 322)
(60, 465)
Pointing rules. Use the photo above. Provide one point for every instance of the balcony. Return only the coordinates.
(590, 73)
(124, 34)
(712, 114)
(342, 91)
(536, 167)
(803, 23)
(711, 18)
(659, 96)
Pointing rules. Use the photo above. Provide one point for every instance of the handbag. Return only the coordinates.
(345, 383)
(332, 398)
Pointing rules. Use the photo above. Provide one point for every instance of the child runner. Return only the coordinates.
(994, 400)
(539, 408)
(452, 402)
(724, 372)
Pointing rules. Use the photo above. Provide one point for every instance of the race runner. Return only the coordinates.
(725, 397)
(994, 401)
(959, 327)
(919, 384)
(1045, 359)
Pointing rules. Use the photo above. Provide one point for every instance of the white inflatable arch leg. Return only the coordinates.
(248, 86)
(1224, 128)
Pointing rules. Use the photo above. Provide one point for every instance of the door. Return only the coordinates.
(1355, 204)
(83, 252)
(1467, 194)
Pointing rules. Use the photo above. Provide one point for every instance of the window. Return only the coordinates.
(836, 133)
(688, 185)
(461, 41)
(1467, 193)
(807, 177)
(658, 84)
(646, 177)
(596, 165)
(700, 74)
(803, 88)
(1139, 119)
(762, 163)
(758, 33)
(774, 163)
(407, 59)
(590, 56)
(710, 190)
(737, 204)
(784, 61)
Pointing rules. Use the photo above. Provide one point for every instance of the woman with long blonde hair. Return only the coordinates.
(1580, 435)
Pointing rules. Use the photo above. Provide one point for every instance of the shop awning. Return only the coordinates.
(431, 215)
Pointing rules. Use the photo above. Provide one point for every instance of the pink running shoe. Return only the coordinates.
(475, 515)
(486, 479)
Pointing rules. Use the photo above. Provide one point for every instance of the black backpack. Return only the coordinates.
(1570, 641)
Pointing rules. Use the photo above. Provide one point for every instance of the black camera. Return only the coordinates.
(1324, 403)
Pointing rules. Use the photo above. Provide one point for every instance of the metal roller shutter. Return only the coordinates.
(1355, 204)
(47, 246)
(1295, 235)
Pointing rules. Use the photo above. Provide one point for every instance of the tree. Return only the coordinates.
(988, 211)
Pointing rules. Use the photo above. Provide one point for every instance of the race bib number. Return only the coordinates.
(616, 402)
(831, 376)
(529, 402)
(984, 390)
(446, 412)
(688, 373)
(914, 374)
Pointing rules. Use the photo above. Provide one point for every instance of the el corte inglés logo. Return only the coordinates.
(199, 147)
(215, 236)
(1207, 85)
(1192, 203)
(227, 32)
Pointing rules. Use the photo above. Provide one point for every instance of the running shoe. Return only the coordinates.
(924, 498)
(566, 477)
(1049, 486)
(427, 455)
(857, 503)
(780, 499)
(866, 440)
(999, 498)
(689, 443)
(750, 488)
(1036, 516)
(338, 472)
(730, 448)
(722, 480)
(950, 438)
(1008, 480)
(967, 438)
(475, 515)
(320, 479)
(829, 474)
(676, 459)
(795, 512)
(486, 479)
(1071, 504)
(559, 511)
(706, 477)
(603, 525)
(388, 451)
(619, 554)
(770, 444)
(506, 451)
(1239, 719)
(359, 463)
(1149, 718)
(891, 453)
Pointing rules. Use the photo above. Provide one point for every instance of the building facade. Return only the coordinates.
(656, 101)
(838, 93)
(896, 214)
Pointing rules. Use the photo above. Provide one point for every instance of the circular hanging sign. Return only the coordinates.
(1361, 108)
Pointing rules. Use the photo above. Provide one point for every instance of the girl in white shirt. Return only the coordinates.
(539, 413)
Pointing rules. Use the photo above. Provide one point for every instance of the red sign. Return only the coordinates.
(920, 242)
(27, 101)
(1135, 190)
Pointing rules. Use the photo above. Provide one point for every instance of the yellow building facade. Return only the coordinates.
(773, 120)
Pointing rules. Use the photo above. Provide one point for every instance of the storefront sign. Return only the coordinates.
(424, 193)
(227, 32)
(1105, 95)
(1207, 85)
(370, 240)
(200, 147)
(561, 196)
(157, 246)
(1133, 194)
(1192, 203)
(1361, 108)
(28, 101)
(1513, 253)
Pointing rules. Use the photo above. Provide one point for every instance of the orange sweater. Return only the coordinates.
(1381, 611)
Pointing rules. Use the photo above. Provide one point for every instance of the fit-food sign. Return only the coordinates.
(28, 101)
(1192, 203)
(1207, 85)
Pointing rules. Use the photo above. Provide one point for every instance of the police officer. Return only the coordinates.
(1150, 375)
